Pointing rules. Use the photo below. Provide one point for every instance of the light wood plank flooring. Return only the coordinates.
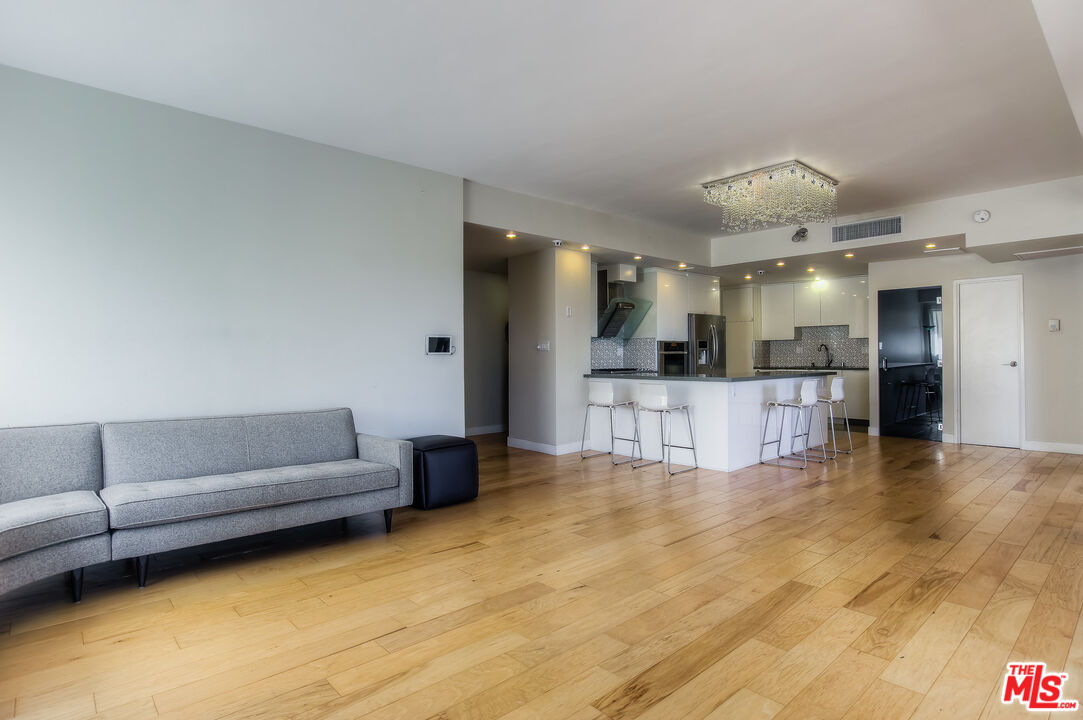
(894, 583)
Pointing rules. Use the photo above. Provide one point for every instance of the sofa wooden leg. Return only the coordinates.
(387, 520)
(142, 564)
(77, 585)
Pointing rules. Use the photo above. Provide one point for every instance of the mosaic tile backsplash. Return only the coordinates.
(640, 353)
(803, 352)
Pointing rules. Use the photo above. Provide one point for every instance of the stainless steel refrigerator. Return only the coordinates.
(707, 345)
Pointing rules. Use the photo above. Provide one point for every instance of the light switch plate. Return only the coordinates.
(1054, 326)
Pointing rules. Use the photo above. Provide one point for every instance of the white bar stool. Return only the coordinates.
(807, 404)
(837, 397)
(600, 395)
(653, 397)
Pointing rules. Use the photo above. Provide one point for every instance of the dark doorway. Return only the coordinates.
(911, 361)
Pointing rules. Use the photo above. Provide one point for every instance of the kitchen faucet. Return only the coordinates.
(823, 346)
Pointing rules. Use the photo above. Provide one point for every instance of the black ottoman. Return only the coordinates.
(445, 471)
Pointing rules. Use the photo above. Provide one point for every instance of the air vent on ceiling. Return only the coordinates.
(866, 229)
(1055, 252)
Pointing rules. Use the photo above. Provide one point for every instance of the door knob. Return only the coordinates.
(1013, 363)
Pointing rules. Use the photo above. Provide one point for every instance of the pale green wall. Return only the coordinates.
(160, 263)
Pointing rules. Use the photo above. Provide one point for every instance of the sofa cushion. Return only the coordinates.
(136, 452)
(300, 438)
(39, 522)
(134, 505)
(51, 459)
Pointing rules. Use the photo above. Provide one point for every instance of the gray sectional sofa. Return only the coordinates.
(169, 484)
(51, 519)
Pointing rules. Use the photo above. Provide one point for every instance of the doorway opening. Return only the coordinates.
(911, 362)
(485, 330)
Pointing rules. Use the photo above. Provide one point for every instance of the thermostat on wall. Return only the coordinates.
(439, 345)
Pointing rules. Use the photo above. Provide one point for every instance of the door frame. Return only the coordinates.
(956, 358)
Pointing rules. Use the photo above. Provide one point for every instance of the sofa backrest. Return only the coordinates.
(36, 461)
(300, 438)
(153, 450)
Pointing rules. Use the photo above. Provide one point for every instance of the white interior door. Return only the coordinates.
(991, 361)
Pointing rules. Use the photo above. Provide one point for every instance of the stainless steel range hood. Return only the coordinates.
(621, 317)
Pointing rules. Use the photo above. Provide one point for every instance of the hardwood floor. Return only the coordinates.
(894, 583)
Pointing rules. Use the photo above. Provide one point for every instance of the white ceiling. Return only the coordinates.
(624, 106)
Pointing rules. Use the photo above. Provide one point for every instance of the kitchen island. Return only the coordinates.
(727, 415)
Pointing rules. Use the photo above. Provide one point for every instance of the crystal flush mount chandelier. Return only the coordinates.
(786, 194)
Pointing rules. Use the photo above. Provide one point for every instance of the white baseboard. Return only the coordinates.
(566, 449)
(948, 438)
(1070, 448)
(874, 431)
(486, 429)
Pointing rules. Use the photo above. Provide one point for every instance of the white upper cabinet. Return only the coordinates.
(834, 303)
(737, 304)
(777, 312)
(859, 307)
(704, 294)
(806, 304)
(667, 318)
(845, 302)
(672, 306)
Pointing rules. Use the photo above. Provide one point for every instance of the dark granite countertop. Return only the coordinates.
(813, 367)
(743, 377)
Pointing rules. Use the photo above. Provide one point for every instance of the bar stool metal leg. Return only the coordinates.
(670, 445)
(849, 437)
(613, 438)
(795, 432)
(634, 439)
(831, 422)
(583, 437)
(645, 463)
(583, 440)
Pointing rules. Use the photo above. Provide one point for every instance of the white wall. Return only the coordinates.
(485, 351)
(496, 207)
(1052, 288)
(160, 263)
(574, 315)
(1040, 210)
(546, 389)
(531, 372)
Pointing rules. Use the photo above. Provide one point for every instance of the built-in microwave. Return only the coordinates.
(672, 357)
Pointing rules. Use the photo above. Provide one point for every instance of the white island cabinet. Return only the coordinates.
(727, 416)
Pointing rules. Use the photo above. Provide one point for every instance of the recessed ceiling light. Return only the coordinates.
(849, 255)
(780, 263)
(511, 235)
(862, 282)
(748, 277)
(682, 266)
(810, 269)
(930, 246)
(638, 257)
(586, 247)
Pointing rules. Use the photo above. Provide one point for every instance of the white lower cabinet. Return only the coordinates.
(856, 386)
